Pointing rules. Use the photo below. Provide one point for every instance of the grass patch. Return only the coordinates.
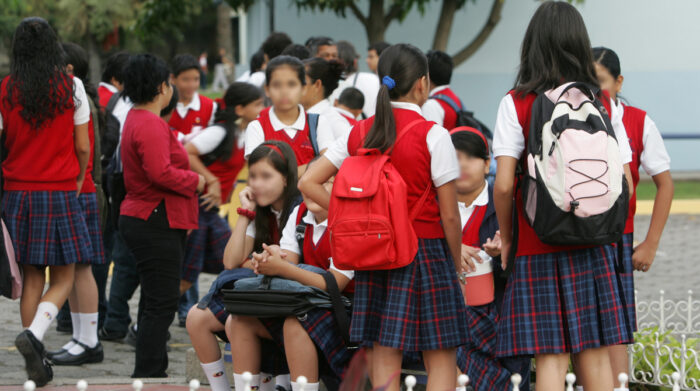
(646, 190)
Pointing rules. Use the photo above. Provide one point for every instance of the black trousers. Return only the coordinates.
(159, 251)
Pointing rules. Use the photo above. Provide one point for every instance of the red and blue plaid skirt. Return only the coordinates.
(478, 357)
(625, 273)
(88, 202)
(47, 227)
(334, 355)
(414, 308)
(204, 250)
(562, 302)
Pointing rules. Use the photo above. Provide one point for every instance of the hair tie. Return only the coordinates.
(469, 129)
(276, 149)
(388, 82)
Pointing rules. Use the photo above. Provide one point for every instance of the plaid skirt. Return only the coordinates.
(562, 302)
(625, 274)
(414, 308)
(91, 211)
(334, 355)
(478, 357)
(204, 249)
(47, 227)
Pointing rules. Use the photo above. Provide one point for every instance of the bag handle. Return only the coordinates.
(339, 313)
(589, 90)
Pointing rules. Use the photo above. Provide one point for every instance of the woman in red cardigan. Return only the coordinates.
(159, 207)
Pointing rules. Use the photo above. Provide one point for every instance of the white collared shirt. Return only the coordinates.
(344, 112)
(443, 158)
(195, 105)
(250, 229)
(254, 134)
(331, 125)
(432, 109)
(109, 86)
(289, 238)
(654, 157)
(465, 212)
(508, 138)
(367, 83)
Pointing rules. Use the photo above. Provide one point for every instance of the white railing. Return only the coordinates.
(667, 343)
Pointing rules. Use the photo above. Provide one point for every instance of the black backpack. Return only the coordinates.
(464, 117)
(110, 135)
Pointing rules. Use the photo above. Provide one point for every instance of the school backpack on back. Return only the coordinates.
(464, 117)
(368, 218)
(574, 186)
(110, 136)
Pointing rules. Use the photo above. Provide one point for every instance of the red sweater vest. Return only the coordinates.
(227, 171)
(105, 95)
(633, 119)
(470, 232)
(412, 160)
(193, 118)
(450, 121)
(301, 143)
(318, 254)
(351, 121)
(528, 242)
(38, 159)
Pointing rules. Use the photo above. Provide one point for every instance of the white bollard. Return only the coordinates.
(462, 381)
(137, 385)
(81, 385)
(516, 379)
(622, 378)
(410, 382)
(247, 379)
(676, 381)
(29, 385)
(302, 381)
(194, 385)
(570, 380)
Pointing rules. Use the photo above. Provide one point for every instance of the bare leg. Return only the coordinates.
(201, 326)
(301, 351)
(386, 367)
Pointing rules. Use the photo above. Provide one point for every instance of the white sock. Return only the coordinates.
(216, 374)
(75, 320)
(307, 387)
(461, 388)
(45, 314)
(579, 388)
(267, 382)
(284, 381)
(239, 384)
(88, 329)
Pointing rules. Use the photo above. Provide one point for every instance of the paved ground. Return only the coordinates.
(675, 270)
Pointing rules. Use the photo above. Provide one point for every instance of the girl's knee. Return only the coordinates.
(293, 329)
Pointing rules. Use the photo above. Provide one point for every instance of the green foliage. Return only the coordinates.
(94, 18)
(165, 17)
(402, 7)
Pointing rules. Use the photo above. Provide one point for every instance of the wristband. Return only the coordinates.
(250, 214)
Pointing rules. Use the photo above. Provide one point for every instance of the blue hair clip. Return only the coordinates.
(388, 82)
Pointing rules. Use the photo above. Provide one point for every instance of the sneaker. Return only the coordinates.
(37, 365)
(105, 335)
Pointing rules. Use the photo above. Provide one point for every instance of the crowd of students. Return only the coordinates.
(168, 157)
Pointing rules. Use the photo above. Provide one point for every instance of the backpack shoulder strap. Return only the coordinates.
(112, 102)
(354, 80)
(339, 312)
(313, 132)
(449, 101)
(300, 231)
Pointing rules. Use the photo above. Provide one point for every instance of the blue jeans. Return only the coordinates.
(125, 280)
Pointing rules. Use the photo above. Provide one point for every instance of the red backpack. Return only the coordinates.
(370, 225)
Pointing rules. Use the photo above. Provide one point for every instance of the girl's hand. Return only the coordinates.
(212, 198)
(505, 249)
(271, 263)
(493, 246)
(643, 256)
(247, 198)
(469, 255)
(79, 184)
(200, 185)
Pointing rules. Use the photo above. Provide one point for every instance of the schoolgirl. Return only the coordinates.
(194, 112)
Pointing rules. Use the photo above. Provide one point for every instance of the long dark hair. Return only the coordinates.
(556, 49)
(285, 61)
(404, 64)
(328, 72)
(238, 93)
(78, 58)
(609, 59)
(38, 80)
(287, 166)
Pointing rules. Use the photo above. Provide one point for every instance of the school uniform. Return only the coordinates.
(438, 111)
(105, 92)
(319, 323)
(40, 206)
(331, 125)
(348, 116)
(204, 250)
(194, 116)
(435, 317)
(559, 299)
(367, 83)
(268, 127)
(648, 152)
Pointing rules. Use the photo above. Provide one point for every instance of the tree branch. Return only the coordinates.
(358, 14)
(493, 19)
(393, 13)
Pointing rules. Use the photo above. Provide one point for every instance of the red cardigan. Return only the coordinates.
(157, 168)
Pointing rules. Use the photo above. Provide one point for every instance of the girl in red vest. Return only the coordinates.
(419, 307)
(217, 154)
(649, 152)
(44, 115)
(266, 205)
(300, 338)
(285, 120)
(560, 300)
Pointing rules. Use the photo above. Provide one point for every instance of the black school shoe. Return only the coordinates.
(88, 356)
(50, 355)
(37, 365)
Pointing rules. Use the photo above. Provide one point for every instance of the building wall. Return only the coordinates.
(658, 43)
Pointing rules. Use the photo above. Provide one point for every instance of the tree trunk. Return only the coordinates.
(444, 25)
(224, 34)
(94, 59)
(375, 25)
(471, 48)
